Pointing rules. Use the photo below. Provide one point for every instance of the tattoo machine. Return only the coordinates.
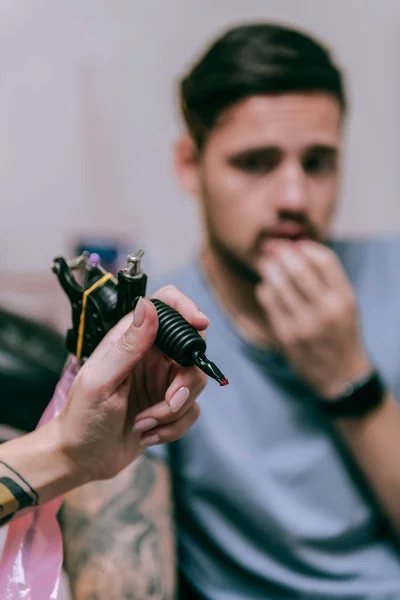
(99, 300)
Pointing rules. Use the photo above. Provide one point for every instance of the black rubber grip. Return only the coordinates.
(176, 337)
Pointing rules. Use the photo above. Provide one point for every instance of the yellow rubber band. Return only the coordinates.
(86, 294)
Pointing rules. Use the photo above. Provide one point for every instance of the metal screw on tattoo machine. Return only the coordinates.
(99, 300)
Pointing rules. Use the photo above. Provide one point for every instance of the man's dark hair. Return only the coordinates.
(250, 60)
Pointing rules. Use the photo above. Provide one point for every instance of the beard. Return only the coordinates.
(230, 259)
(242, 266)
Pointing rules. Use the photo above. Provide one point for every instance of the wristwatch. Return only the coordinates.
(358, 398)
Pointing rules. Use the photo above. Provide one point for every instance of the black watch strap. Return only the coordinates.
(358, 398)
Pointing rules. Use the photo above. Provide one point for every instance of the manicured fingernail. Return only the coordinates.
(150, 440)
(139, 313)
(179, 399)
(145, 424)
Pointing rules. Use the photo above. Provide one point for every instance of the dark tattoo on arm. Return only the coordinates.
(15, 493)
(118, 536)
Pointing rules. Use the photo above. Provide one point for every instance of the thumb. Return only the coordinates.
(130, 347)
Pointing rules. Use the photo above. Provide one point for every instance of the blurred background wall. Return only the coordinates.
(88, 117)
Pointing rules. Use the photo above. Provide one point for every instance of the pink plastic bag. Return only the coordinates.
(32, 558)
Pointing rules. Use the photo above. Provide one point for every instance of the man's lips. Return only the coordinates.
(283, 235)
(291, 231)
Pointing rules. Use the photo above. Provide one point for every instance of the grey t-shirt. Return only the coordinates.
(268, 502)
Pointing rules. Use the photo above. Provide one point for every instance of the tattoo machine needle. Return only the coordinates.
(182, 342)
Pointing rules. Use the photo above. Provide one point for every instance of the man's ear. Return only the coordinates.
(187, 165)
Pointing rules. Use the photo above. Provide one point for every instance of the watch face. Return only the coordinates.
(358, 398)
(348, 389)
(352, 386)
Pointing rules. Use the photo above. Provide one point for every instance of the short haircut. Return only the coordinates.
(250, 60)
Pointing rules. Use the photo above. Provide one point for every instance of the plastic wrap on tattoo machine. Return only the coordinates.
(33, 554)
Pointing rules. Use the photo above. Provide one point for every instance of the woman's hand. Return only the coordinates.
(129, 395)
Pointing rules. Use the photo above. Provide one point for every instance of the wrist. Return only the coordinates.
(351, 374)
(47, 469)
(60, 474)
(358, 399)
(67, 462)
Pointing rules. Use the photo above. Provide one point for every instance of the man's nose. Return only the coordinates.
(293, 196)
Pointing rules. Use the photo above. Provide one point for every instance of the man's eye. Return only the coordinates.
(256, 164)
(320, 164)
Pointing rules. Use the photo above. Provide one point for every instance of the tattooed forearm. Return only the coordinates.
(15, 493)
(118, 536)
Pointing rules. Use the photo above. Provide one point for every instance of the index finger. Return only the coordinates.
(172, 296)
(326, 263)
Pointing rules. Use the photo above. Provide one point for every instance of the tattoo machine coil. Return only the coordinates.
(99, 300)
